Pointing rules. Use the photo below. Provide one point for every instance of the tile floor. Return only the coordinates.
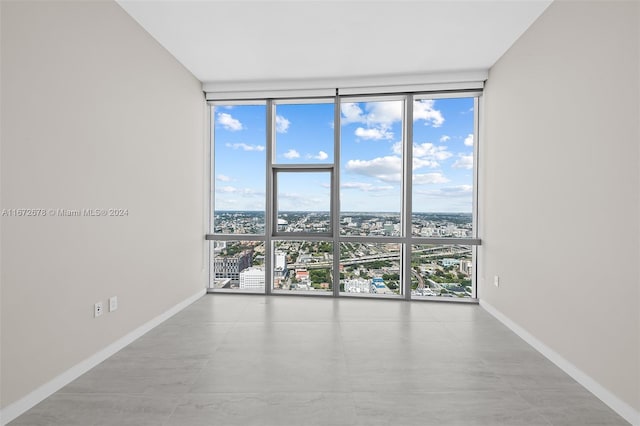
(254, 360)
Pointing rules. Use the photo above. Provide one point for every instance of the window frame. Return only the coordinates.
(300, 168)
(406, 240)
(211, 109)
(381, 97)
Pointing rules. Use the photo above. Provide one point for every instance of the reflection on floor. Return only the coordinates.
(255, 360)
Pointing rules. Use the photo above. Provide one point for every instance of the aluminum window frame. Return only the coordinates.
(380, 97)
(406, 241)
(300, 168)
(211, 105)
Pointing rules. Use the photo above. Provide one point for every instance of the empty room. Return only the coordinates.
(319, 212)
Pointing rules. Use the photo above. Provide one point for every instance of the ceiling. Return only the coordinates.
(268, 41)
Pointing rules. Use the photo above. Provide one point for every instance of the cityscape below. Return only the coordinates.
(442, 270)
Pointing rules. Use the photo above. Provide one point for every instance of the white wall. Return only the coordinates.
(95, 114)
(560, 206)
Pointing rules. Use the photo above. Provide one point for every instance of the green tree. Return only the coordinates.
(318, 276)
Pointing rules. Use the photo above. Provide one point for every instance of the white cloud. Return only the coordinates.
(424, 110)
(462, 191)
(463, 162)
(373, 133)
(397, 148)
(233, 198)
(376, 114)
(282, 124)
(228, 122)
(291, 154)
(445, 138)
(387, 169)
(321, 156)
(431, 151)
(425, 154)
(378, 117)
(223, 178)
(386, 113)
(421, 162)
(366, 187)
(296, 201)
(468, 141)
(228, 189)
(245, 147)
(291, 195)
(429, 178)
(351, 113)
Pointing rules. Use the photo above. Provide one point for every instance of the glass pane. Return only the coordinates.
(443, 167)
(303, 266)
(304, 133)
(372, 269)
(304, 202)
(441, 270)
(239, 157)
(371, 167)
(237, 266)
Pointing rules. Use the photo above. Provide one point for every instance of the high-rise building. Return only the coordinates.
(466, 267)
(231, 266)
(252, 279)
(280, 266)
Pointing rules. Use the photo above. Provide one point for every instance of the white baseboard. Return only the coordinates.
(17, 408)
(616, 404)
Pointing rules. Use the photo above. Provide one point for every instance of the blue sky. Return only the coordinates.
(371, 155)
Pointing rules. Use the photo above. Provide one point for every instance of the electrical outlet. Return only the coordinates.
(113, 303)
(496, 280)
(97, 309)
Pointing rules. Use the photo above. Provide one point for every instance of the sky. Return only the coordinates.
(370, 157)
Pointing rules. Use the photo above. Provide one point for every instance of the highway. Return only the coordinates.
(430, 252)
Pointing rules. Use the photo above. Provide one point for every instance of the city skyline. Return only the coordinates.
(306, 265)
(430, 224)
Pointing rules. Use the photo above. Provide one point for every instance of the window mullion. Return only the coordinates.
(335, 194)
(474, 206)
(406, 194)
(269, 202)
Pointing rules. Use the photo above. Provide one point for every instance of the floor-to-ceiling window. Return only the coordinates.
(349, 195)
(238, 204)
